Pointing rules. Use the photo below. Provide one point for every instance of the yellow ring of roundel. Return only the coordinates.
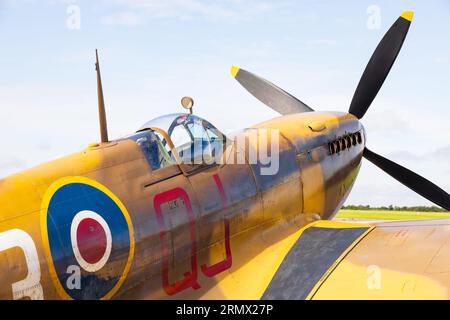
(44, 208)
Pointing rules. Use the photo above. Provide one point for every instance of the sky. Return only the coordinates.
(153, 52)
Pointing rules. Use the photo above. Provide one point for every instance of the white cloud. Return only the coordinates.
(217, 10)
(438, 154)
(321, 42)
(377, 188)
(10, 164)
(441, 60)
(123, 19)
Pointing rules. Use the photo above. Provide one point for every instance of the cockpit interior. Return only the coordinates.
(179, 138)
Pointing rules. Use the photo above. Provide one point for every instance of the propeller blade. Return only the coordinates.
(412, 180)
(268, 93)
(379, 65)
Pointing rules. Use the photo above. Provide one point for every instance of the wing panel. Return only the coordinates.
(397, 260)
(251, 278)
(316, 251)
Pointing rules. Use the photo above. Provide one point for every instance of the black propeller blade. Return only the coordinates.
(268, 93)
(410, 179)
(371, 81)
(379, 65)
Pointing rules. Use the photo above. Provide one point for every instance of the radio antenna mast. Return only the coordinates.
(101, 103)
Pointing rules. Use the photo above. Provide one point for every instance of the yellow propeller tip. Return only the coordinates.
(234, 71)
(408, 15)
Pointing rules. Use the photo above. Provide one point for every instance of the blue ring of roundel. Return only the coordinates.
(64, 205)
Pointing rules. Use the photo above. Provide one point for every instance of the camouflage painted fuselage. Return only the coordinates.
(173, 236)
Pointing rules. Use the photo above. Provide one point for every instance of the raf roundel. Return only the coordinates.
(88, 237)
(91, 240)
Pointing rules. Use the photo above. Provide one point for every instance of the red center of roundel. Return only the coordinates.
(91, 240)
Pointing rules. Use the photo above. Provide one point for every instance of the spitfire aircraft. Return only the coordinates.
(153, 216)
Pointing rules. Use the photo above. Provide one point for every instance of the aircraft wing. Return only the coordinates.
(338, 260)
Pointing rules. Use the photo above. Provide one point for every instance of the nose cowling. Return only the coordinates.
(328, 148)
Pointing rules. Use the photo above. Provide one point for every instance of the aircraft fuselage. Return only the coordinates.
(101, 224)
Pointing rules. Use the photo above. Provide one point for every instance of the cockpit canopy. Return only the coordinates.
(179, 138)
